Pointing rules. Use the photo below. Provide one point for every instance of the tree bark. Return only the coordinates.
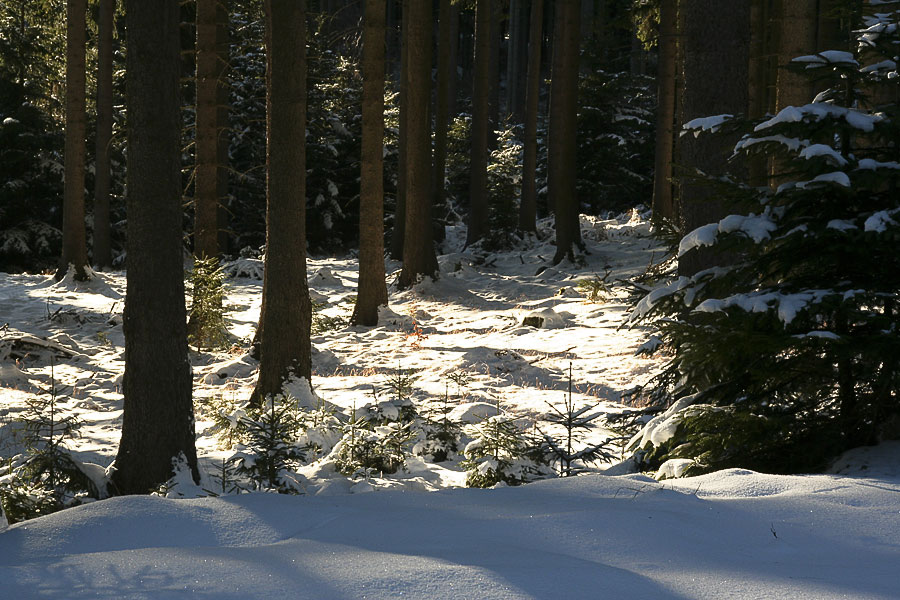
(285, 316)
(223, 141)
(797, 36)
(563, 129)
(74, 250)
(663, 205)
(102, 246)
(494, 77)
(372, 291)
(206, 182)
(715, 69)
(158, 417)
(418, 247)
(528, 207)
(516, 60)
(398, 235)
(441, 112)
(478, 197)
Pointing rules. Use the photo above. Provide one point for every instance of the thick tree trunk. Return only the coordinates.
(102, 246)
(223, 46)
(441, 113)
(158, 417)
(285, 317)
(398, 235)
(516, 59)
(453, 83)
(797, 36)
(715, 68)
(761, 47)
(478, 197)
(494, 77)
(372, 291)
(528, 207)
(74, 250)
(563, 129)
(418, 246)
(206, 145)
(663, 205)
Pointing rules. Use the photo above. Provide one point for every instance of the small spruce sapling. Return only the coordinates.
(272, 449)
(46, 478)
(576, 422)
(501, 452)
(206, 327)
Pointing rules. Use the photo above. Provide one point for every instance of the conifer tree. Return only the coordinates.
(789, 355)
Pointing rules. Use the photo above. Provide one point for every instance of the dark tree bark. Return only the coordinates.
(453, 82)
(516, 60)
(372, 291)
(418, 246)
(478, 197)
(441, 112)
(528, 207)
(398, 235)
(223, 45)
(563, 129)
(663, 205)
(715, 70)
(158, 417)
(797, 36)
(285, 316)
(494, 77)
(74, 250)
(102, 247)
(206, 177)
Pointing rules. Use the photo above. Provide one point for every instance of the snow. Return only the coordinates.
(730, 534)
(711, 124)
(756, 227)
(821, 150)
(827, 57)
(787, 305)
(419, 533)
(880, 221)
(818, 111)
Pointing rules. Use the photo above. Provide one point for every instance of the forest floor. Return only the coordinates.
(733, 534)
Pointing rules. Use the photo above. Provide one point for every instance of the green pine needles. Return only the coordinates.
(206, 328)
(788, 354)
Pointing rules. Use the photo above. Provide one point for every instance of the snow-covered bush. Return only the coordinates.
(787, 354)
(500, 452)
(368, 450)
(206, 328)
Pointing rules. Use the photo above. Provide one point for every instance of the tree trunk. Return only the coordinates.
(74, 250)
(478, 197)
(563, 129)
(206, 147)
(494, 78)
(158, 417)
(102, 246)
(372, 291)
(715, 68)
(453, 83)
(398, 235)
(285, 316)
(797, 36)
(223, 46)
(516, 56)
(441, 113)
(418, 246)
(528, 207)
(663, 206)
(761, 47)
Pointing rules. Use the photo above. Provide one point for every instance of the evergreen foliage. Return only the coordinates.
(787, 354)
(615, 140)
(272, 447)
(45, 478)
(206, 328)
(500, 452)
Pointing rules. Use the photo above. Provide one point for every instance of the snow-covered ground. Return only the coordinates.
(733, 534)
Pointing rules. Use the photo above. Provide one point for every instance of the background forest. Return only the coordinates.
(174, 140)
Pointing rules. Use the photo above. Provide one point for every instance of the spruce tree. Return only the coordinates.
(788, 354)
